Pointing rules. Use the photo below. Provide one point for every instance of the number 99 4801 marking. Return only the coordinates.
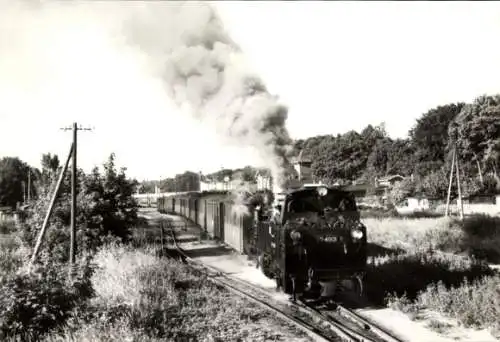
(329, 238)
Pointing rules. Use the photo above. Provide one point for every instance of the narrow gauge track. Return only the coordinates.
(341, 324)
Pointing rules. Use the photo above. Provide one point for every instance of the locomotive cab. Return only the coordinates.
(323, 224)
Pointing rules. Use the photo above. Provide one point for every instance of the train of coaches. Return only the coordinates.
(322, 223)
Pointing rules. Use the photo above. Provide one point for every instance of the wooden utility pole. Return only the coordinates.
(460, 205)
(455, 168)
(51, 206)
(29, 185)
(73, 246)
(450, 184)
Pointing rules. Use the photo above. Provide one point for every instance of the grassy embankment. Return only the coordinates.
(125, 294)
(437, 264)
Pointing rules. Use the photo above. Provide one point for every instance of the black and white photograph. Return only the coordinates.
(220, 171)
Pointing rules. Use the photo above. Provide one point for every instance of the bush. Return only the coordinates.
(7, 226)
(34, 303)
(477, 236)
(106, 208)
(141, 297)
(413, 272)
(12, 254)
(474, 304)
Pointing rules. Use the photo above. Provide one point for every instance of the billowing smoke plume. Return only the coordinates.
(204, 69)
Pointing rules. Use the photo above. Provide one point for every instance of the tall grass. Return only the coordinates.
(140, 297)
(473, 304)
(7, 226)
(477, 236)
(131, 295)
(437, 264)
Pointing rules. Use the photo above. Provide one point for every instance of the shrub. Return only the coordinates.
(477, 236)
(7, 226)
(413, 272)
(106, 208)
(34, 303)
(12, 254)
(140, 297)
(474, 304)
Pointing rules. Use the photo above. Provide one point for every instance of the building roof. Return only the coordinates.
(390, 178)
(263, 173)
(362, 187)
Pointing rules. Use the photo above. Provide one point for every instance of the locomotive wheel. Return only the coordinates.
(286, 283)
(265, 265)
(279, 283)
(358, 285)
(258, 261)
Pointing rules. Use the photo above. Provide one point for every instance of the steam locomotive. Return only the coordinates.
(321, 221)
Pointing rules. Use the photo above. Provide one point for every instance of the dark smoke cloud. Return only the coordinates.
(204, 69)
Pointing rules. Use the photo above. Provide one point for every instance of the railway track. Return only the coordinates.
(340, 324)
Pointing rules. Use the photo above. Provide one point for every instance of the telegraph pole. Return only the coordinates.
(72, 250)
(460, 204)
(451, 183)
(455, 168)
(29, 185)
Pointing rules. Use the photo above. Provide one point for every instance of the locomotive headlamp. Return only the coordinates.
(322, 191)
(295, 235)
(356, 234)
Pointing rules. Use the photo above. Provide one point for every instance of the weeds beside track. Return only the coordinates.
(338, 325)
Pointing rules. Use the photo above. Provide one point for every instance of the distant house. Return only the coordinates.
(5, 213)
(413, 204)
(383, 185)
(264, 180)
(390, 180)
(8, 213)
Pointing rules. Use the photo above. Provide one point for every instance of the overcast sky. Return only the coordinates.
(337, 65)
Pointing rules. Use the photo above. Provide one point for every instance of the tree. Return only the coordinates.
(13, 180)
(402, 190)
(401, 158)
(105, 205)
(476, 134)
(430, 134)
(115, 210)
(434, 184)
(50, 164)
(148, 186)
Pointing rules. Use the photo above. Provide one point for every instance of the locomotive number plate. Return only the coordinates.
(329, 238)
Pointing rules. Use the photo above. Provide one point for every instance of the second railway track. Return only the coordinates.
(336, 325)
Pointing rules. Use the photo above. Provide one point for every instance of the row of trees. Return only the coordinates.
(104, 198)
(473, 128)
(35, 302)
(19, 181)
(190, 181)
(106, 208)
(425, 155)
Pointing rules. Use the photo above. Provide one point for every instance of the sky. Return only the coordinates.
(338, 66)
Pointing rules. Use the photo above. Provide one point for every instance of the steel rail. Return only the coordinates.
(218, 278)
(322, 318)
